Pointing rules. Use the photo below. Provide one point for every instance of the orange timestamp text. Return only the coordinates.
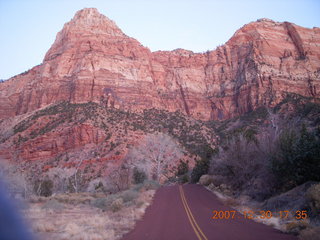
(232, 214)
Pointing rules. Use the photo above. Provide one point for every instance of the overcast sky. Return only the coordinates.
(28, 27)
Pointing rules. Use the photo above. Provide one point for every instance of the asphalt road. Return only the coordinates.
(185, 212)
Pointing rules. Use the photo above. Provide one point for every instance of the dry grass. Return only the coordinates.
(78, 220)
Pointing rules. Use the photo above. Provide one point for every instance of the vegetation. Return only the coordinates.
(297, 158)
(78, 215)
(193, 135)
(139, 176)
(155, 155)
(269, 151)
(44, 187)
(201, 168)
(260, 154)
(182, 168)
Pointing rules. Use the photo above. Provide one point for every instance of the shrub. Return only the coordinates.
(297, 158)
(44, 187)
(97, 185)
(139, 176)
(184, 178)
(129, 195)
(104, 203)
(150, 185)
(137, 187)
(53, 204)
(183, 168)
(116, 205)
(201, 168)
(243, 165)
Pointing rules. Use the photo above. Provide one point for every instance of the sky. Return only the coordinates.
(28, 27)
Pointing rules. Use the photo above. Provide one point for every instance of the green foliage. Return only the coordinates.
(138, 176)
(201, 168)
(298, 158)
(60, 113)
(182, 168)
(184, 178)
(260, 113)
(192, 135)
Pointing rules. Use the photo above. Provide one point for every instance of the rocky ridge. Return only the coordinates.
(92, 60)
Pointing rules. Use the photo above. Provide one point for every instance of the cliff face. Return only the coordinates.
(93, 60)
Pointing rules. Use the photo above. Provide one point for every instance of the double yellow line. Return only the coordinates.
(192, 221)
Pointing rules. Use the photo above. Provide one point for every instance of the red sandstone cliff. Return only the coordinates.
(93, 60)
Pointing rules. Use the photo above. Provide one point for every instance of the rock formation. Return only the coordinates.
(93, 60)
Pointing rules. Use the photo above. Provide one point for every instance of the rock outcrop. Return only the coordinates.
(93, 60)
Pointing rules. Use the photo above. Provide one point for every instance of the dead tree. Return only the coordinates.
(155, 155)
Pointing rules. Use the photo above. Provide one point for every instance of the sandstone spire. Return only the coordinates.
(86, 23)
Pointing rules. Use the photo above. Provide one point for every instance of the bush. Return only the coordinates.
(183, 168)
(184, 178)
(297, 159)
(111, 202)
(201, 168)
(138, 176)
(104, 203)
(116, 205)
(97, 185)
(243, 165)
(53, 204)
(150, 185)
(44, 187)
(129, 195)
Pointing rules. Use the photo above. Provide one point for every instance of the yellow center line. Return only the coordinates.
(188, 214)
(199, 229)
(192, 221)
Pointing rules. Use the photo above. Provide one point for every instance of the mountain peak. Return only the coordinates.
(85, 12)
(86, 23)
(89, 19)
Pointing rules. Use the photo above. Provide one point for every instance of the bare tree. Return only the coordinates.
(155, 155)
(119, 177)
(77, 177)
(60, 178)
